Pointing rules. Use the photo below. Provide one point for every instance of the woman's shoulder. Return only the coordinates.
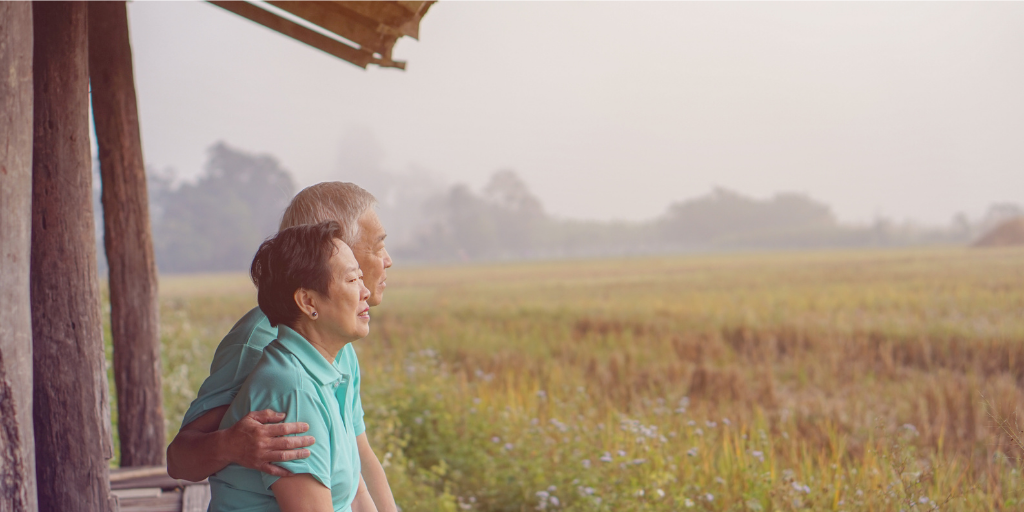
(280, 370)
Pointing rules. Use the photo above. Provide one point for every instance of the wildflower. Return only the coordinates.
(758, 455)
(622, 453)
(709, 497)
(719, 480)
(495, 439)
(726, 422)
(692, 452)
(698, 431)
(586, 463)
(922, 500)
(542, 494)
(688, 503)
(711, 424)
(509, 446)
(554, 501)
(637, 462)
(681, 410)
(691, 423)
(607, 457)
(542, 394)
(661, 493)
(418, 420)
(640, 493)
(552, 488)
(798, 487)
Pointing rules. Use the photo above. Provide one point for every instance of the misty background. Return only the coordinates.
(539, 130)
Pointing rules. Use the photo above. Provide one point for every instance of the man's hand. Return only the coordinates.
(200, 450)
(258, 439)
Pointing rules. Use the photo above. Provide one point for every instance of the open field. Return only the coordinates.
(786, 381)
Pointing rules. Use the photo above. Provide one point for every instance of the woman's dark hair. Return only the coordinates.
(296, 257)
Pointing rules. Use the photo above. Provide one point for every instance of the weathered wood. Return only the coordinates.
(196, 498)
(370, 34)
(356, 56)
(17, 443)
(70, 403)
(134, 313)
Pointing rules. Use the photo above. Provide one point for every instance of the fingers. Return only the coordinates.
(271, 469)
(267, 416)
(284, 429)
(284, 455)
(290, 443)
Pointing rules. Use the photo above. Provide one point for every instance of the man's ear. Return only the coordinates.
(306, 302)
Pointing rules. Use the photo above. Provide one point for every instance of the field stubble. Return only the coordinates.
(823, 381)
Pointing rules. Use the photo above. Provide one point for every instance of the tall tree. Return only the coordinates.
(17, 442)
(70, 409)
(134, 311)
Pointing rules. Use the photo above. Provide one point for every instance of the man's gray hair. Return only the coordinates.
(330, 200)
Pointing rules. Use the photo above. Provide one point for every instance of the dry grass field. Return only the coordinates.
(867, 380)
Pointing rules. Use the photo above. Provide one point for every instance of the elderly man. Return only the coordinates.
(259, 439)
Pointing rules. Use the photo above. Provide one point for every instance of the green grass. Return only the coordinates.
(783, 381)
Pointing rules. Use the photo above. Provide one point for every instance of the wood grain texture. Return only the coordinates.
(70, 402)
(17, 442)
(134, 311)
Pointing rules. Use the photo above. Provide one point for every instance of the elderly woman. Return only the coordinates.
(310, 287)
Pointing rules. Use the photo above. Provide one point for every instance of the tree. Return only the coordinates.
(216, 223)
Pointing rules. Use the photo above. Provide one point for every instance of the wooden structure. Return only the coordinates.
(55, 439)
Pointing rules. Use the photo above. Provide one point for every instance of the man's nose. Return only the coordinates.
(387, 259)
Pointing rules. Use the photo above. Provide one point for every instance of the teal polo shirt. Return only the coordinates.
(292, 377)
(237, 355)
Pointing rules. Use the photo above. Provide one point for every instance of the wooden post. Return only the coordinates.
(134, 311)
(71, 410)
(17, 442)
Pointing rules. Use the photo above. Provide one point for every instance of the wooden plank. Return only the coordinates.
(70, 396)
(196, 498)
(166, 502)
(17, 441)
(367, 32)
(298, 32)
(134, 310)
(124, 474)
(138, 493)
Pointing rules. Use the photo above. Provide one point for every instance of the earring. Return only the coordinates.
(314, 314)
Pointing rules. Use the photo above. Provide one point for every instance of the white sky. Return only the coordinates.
(615, 110)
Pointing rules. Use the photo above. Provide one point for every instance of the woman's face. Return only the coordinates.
(344, 313)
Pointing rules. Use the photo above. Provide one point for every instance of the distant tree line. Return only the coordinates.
(216, 222)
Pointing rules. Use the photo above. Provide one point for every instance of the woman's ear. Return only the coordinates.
(306, 302)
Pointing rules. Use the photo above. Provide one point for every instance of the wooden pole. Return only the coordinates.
(17, 442)
(134, 311)
(71, 410)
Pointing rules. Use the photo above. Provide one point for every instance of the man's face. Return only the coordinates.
(373, 258)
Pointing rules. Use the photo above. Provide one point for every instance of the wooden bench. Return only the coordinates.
(151, 489)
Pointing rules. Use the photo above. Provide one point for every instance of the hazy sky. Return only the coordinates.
(615, 110)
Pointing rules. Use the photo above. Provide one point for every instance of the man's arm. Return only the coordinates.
(200, 450)
(373, 474)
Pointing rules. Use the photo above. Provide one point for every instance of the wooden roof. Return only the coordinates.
(373, 27)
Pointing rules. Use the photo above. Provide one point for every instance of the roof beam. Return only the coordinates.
(345, 23)
(356, 56)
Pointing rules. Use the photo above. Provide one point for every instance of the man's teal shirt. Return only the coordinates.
(259, 367)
